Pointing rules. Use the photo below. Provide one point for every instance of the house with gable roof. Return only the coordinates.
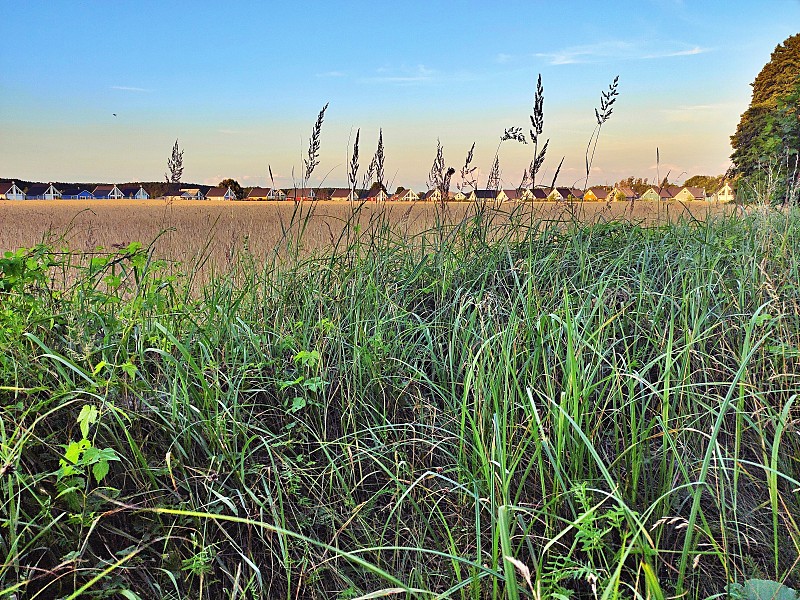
(539, 194)
(520, 195)
(667, 192)
(375, 195)
(725, 193)
(76, 192)
(192, 194)
(301, 194)
(564, 193)
(258, 193)
(107, 192)
(345, 194)
(487, 196)
(10, 191)
(134, 192)
(404, 196)
(623, 193)
(434, 195)
(689, 194)
(41, 191)
(596, 193)
(220, 193)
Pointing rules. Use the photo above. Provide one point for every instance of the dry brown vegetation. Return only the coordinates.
(219, 230)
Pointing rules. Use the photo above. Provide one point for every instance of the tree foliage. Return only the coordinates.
(769, 127)
(235, 187)
(710, 183)
(637, 184)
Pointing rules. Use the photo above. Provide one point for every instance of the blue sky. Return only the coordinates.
(240, 85)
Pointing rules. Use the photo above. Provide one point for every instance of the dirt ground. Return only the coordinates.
(218, 229)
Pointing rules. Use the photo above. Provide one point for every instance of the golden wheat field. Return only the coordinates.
(185, 231)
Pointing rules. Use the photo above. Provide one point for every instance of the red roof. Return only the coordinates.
(216, 192)
(258, 192)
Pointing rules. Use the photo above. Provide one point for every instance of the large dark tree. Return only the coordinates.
(235, 187)
(766, 130)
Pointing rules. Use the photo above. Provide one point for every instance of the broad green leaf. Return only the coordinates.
(73, 451)
(762, 589)
(87, 416)
(100, 470)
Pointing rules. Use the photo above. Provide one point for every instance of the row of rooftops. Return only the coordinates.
(110, 191)
(49, 191)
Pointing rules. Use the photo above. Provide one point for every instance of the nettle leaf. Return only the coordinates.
(298, 404)
(307, 358)
(761, 319)
(73, 452)
(282, 385)
(129, 368)
(100, 470)
(87, 416)
(315, 384)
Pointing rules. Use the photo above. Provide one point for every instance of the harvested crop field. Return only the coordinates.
(217, 230)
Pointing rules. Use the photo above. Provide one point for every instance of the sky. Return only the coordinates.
(240, 84)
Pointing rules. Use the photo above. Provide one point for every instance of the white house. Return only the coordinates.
(725, 193)
(107, 192)
(218, 193)
(192, 194)
(10, 191)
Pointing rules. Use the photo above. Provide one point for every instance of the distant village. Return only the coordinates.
(10, 190)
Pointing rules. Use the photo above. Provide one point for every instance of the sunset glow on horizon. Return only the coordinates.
(99, 92)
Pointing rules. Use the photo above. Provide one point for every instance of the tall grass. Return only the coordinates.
(494, 408)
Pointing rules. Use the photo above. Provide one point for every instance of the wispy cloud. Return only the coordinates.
(618, 50)
(403, 75)
(689, 52)
(587, 53)
(689, 113)
(128, 88)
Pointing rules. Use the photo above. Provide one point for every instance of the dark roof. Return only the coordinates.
(258, 192)
(490, 194)
(669, 191)
(4, 187)
(130, 190)
(513, 194)
(566, 192)
(300, 193)
(628, 192)
(37, 189)
(599, 191)
(539, 193)
(340, 193)
(697, 192)
(216, 192)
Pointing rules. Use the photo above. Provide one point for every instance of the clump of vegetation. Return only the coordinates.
(489, 409)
